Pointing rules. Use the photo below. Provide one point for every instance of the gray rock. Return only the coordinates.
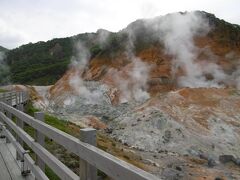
(178, 168)
(237, 161)
(134, 124)
(109, 130)
(226, 158)
(211, 162)
(192, 152)
(167, 136)
(204, 156)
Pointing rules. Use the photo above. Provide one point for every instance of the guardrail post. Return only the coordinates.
(10, 99)
(1, 130)
(9, 115)
(1, 110)
(24, 96)
(40, 138)
(87, 171)
(20, 124)
(16, 99)
(21, 99)
(1, 125)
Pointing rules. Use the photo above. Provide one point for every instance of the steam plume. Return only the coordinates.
(134, 87)
(90, 94)
(177, 32)
(80, 63)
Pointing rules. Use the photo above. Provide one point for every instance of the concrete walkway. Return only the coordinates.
(10, 169)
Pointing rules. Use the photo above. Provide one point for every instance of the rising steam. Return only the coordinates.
(80, 64)
(90, 93)
(134, 86)
(177, 32)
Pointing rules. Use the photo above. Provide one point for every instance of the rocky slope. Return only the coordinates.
(197, 120)
(187, 133)
(213, 56)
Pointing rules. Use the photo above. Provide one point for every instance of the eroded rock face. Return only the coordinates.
(149, 130)
(186, 118)
(201, 120)
(196, 126)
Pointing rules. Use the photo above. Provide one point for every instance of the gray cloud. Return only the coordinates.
(31, 21)
(10, 36)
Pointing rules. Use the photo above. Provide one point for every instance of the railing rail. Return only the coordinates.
(91, 157)
(14, 98)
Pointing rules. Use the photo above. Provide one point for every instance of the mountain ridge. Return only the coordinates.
(3, 49)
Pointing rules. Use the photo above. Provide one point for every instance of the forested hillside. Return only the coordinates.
(43, 63)
(3, 49)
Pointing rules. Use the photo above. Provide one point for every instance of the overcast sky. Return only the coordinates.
(24, 21)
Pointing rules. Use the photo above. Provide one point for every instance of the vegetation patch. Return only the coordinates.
(2, 90)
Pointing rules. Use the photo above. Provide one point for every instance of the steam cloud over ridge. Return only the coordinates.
(134, 87)
(176, 32)
(80, 63)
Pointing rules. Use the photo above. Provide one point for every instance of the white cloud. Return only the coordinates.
(10, 36)
(30, 21)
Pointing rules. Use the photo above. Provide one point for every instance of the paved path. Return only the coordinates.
(10, 169)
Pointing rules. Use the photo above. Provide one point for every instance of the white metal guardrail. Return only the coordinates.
(91, 158)
(14, 98)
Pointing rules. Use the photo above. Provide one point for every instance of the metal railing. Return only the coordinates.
(91, 157)
(14, 98)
